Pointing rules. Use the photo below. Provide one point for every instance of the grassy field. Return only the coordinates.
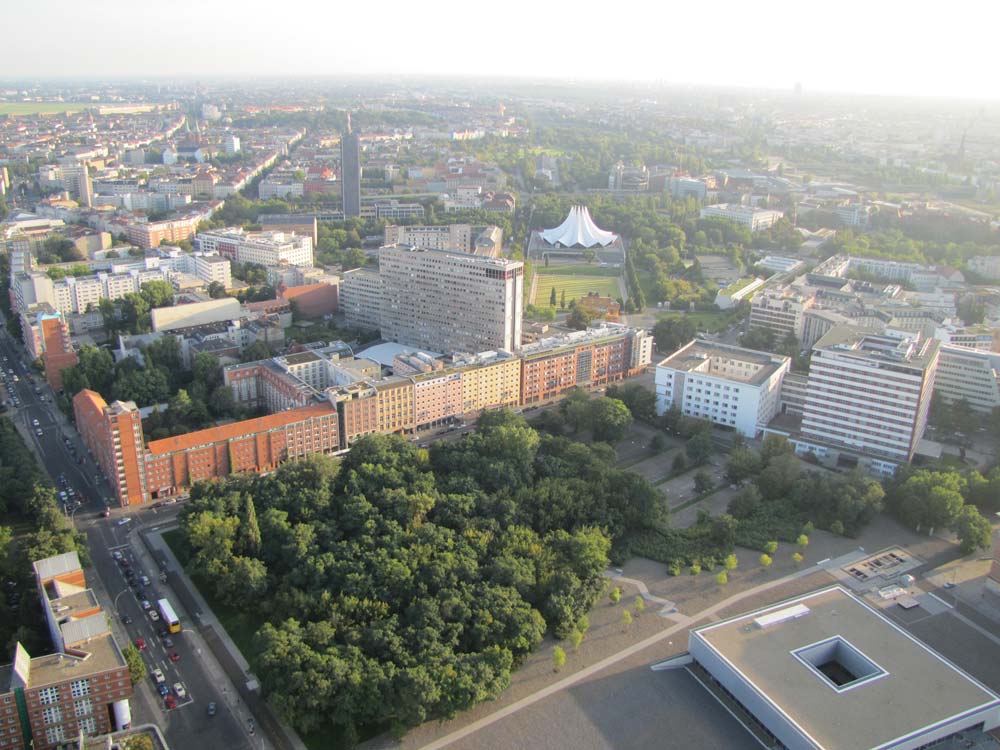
(42, 108)
(576, 281)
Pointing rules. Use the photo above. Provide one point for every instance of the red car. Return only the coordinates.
(171, 701)
(140, 643)
(175, 656)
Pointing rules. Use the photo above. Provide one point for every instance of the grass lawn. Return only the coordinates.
(42, 108)
(574, 286)
(579, 270)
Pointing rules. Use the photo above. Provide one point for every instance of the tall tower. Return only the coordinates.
(350, 168)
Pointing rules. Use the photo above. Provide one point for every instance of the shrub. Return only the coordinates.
(558, 658)
(616, 595)
(798, 558)
(802, 541)
(695, 569)
(837, 528)
(721, 578)
(731, 562)
(765, 560)
(771, 547)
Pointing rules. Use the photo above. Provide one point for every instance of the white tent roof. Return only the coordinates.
(578, 230)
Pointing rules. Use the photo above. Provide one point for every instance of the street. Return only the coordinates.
(68, 463)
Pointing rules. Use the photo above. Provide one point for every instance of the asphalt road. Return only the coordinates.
(187, 725)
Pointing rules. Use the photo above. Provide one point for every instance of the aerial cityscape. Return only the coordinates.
(354, 400)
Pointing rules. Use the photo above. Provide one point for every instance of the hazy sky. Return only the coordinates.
(911, 47)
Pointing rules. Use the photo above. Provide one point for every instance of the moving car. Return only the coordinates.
(146, 605)
(175, 656)
(123, 521)
(210, 709)
(140, 643)
(154, 615)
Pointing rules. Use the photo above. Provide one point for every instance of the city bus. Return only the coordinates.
(170, 617)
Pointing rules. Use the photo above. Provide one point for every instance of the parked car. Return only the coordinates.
(123, 521)
(179, 690)
(164, 690)
(126, 620)
(157, 675)
(170, 701)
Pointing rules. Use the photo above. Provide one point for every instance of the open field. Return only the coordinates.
(576, 281)
(42, 108)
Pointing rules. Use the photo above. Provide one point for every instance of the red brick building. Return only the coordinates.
(113, 434)
(311, 300)
(57, 349)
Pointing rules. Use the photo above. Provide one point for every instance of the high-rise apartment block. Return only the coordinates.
(262, 248)
(869, 393)
(465, 238)
(447, 302)
(350, 170)
(113, 434)
(83, 687)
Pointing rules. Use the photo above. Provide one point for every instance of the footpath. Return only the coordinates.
(222, 659)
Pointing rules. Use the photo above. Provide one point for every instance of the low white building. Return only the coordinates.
(728, 385)
(262, 248)
(826, 671)
(755, 219)
(970, 375)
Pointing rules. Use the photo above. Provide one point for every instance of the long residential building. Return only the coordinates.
(465, 238)
(970, 375)
(324, 400)
(729, 385)
(754, 219)
(262, 248)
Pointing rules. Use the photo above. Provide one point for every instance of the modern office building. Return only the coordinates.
(350, 170)
(754, 219)
(868, 394)
(780, 310)
(195, 314)
(728, 385)
(83, 687)
(826, 671)
(262, 248)
(450, 302)
(968, 374)
(297, 223)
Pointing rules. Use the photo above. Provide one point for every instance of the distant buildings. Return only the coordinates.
(361, 298)
(350, 167)
(987, 266)
(628, 179)
(754, 219)
(970, 375)
(728, 385)
(83, 688)
(262, 248)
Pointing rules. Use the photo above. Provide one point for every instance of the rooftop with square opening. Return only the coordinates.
(827, 671)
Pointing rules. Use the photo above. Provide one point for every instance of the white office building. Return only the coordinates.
(968, 374)
(728, 385)
(262, 248)
(754, 219)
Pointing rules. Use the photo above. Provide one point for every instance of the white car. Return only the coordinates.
(158, 676)
(146, 605)
(179, 690)
(123, 521)
(34, 423)
(154, 615)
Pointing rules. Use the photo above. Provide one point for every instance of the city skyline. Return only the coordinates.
(897, 50)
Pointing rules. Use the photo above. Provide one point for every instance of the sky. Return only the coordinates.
(895, 47)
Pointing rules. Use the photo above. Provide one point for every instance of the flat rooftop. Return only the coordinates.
(866, 344)
(704, 356)
(102, 655)
(906, 687)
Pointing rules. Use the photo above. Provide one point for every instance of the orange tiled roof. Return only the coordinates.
(236, 429)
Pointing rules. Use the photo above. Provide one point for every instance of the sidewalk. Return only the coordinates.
(222, 658)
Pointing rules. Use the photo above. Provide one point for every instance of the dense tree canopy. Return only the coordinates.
(402, 585)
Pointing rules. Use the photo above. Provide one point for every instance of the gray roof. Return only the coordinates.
(59, 565)
(916, 689)
(78, 631)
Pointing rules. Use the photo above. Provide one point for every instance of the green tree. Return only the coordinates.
(626, 619)
(702, 482)
(743, 464)
(679, 464)
(558, 658)
(136, 666)
(609, 419)
(640, 605)
(929, 499)
(575, 639)
(216, 290)
(615, 595)
(797, 558)
(721, 578)
(580, 318)
(700, 447)
(672, 332)
(771, 547)
(731, 562)
(640, 400)
(973, 530)
(802, 541)
(765, 560)
(552, 298)
(562, 299)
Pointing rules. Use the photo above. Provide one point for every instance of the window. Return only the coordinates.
(88, 725)
(839, 664)
(48, 695)
(80, 688)
(52, 714)
(83, 707)
(55, 734)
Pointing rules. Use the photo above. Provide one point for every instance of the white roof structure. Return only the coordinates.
(578, 230)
